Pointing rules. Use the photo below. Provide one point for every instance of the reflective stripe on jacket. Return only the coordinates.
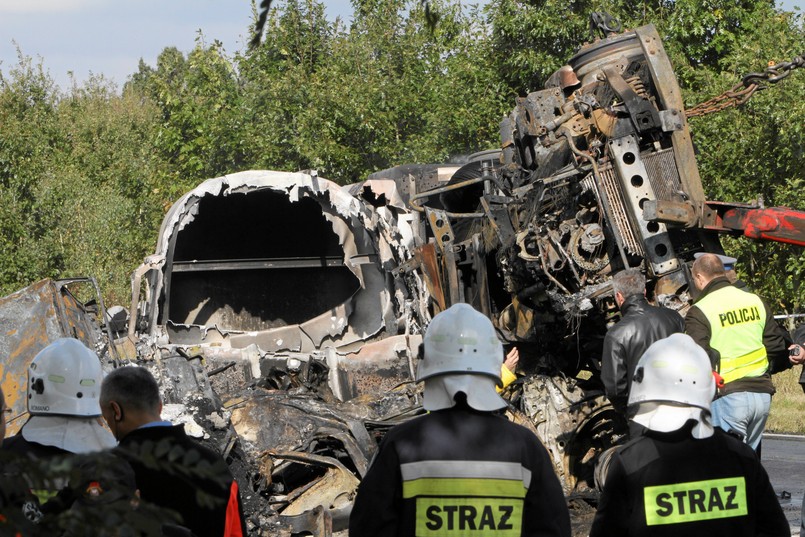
(460, 473)
(466, 496)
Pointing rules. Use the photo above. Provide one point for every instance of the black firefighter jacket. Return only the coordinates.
(460, 473)
(641, 325)
(670, 484)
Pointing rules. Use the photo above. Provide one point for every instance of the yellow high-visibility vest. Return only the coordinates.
(737, 320)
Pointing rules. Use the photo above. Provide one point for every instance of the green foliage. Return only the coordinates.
(87, 174)
(531, 40)
(756, 150)
(388, 90)
(198, 100)
(77, 173)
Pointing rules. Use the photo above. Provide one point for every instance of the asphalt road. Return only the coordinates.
(783, 456)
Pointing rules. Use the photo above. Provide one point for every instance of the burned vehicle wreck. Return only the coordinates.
(306, 302)
(282, 313)
(272, 317)
(596, 173)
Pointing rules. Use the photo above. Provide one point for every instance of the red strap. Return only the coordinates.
(232, 527)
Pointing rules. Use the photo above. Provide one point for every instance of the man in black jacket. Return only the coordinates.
(462, 469)
(683, 476)
(166, 461)
(641, 325)
(744, 343)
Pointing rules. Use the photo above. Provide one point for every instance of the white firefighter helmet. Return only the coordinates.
(65, 379)
(673, 383)
(461, 354)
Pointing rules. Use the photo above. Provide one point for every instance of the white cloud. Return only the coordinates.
(45, 6)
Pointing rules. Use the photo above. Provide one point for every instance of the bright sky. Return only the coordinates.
(110, 36)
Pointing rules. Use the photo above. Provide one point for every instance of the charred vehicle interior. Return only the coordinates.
(282, 313)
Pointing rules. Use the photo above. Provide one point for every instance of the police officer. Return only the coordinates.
(463, 469)
(741, 337)
(683, 477)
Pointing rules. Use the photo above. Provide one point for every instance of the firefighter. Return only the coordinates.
(463, 469)
(683, 477)
(64, 384)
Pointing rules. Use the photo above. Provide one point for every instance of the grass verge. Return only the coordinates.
(788, 404)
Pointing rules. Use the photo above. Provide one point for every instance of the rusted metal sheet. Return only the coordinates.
(376, 367)
(32, 318)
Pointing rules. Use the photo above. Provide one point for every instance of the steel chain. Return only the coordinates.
(740, 93)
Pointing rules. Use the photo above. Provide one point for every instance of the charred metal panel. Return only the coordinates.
(574, 424)
(376, 367)
(32, 318)
(669, 96)
(285, 261)
(638, 189)
(663, 174)
(621, 218)
(232, 268)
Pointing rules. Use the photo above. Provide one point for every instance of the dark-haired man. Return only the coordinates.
(131, 405)
(641, 325)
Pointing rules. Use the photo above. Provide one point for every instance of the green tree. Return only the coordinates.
(77, 171)
(391, 90)
(756, 150)
(28, 99)
(198, 98)
(278, 78)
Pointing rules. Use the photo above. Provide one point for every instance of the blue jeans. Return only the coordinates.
(743, 412)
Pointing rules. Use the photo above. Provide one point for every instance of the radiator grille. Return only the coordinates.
(617, 209)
